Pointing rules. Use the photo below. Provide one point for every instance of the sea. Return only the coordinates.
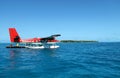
(70, 60)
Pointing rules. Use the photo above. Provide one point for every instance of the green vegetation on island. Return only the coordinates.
(78, 41)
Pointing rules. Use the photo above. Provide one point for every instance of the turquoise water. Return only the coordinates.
(71, 60)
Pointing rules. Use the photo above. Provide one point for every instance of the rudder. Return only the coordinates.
(14, 36)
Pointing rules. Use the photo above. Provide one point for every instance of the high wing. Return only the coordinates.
(50, 38)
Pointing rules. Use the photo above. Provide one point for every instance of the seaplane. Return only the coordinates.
(33, 43)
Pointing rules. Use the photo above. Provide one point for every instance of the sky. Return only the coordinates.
(73, 19)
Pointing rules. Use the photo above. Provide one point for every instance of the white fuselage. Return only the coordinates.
(41, 45)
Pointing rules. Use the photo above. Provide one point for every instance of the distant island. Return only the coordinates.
(78, 41)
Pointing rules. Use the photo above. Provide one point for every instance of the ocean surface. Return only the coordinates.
(71, 60)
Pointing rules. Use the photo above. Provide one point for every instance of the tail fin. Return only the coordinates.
(14, 36)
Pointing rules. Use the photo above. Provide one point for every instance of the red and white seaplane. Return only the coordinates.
(34, 43)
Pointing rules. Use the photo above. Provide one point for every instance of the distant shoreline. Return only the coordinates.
(65, 41)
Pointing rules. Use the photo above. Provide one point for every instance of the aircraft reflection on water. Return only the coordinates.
(33, 43)
(18, 58)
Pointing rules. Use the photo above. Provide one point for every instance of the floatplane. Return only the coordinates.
(33, 43)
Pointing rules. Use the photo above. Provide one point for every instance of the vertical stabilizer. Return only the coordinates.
(14, 36)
